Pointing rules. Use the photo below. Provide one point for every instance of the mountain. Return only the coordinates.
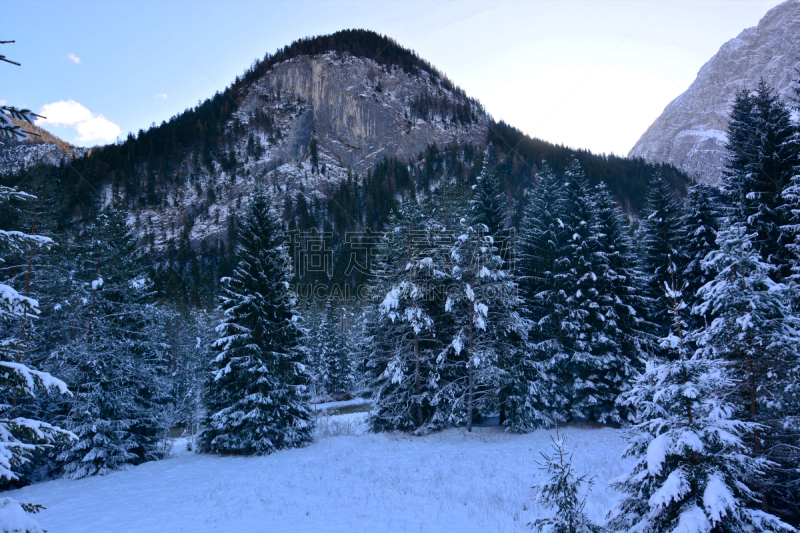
(692, 130)
(338, 128)
(40, 147)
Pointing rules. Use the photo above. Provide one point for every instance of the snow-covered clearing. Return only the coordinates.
(350, 481)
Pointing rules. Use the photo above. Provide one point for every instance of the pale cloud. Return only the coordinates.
(161, 96)
(90, 127)
(75, 59)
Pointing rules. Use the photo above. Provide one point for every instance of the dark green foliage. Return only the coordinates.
(762, 157)
(662, 239)
(521, 157)
(114, 359)
(257, 394)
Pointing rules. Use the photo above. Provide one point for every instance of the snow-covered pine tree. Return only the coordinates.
(338, 361)
(257, 394)
(318, 341)
(791, 197)
(20, 437)
(691, 455)
(563, 492)
(483, 327)
(761, 157)
(483, 301)
(115, 358)
(540, 399)
(402, 366)
(489, 203)
(662, 234)
(700, 225)
(754, 332)
(592, 376)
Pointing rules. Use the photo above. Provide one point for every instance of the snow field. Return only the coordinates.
(446, 481)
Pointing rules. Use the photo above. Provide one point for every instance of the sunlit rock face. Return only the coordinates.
(692, 131)
(358, 111)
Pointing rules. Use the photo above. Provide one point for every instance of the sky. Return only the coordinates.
(585, 73)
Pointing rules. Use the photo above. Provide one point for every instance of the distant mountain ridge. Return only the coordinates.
(692, 130)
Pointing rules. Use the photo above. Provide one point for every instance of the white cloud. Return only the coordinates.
(90, 127)
(75, 59)
(161, 96)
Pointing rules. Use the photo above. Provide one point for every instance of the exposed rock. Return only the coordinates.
(692, 131)
(359, 111)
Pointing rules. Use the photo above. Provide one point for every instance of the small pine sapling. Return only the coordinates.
(562, 492)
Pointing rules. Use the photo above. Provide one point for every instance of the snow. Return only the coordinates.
(717, 498)
(347, 480)
(14, 519)
(336, 405)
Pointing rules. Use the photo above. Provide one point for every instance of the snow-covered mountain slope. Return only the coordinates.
(40, 147)
(356, 110)
(446, 481)
(692, 130)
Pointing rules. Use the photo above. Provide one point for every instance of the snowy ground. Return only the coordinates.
(348, 480)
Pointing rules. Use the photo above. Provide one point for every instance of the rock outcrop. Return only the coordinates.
(692, 131)
(358, 111)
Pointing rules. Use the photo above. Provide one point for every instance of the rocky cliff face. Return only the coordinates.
(692, 131)
(357, 111)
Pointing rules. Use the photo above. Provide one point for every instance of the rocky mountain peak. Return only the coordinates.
(692, 131)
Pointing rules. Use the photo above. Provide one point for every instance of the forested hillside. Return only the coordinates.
(218, 274)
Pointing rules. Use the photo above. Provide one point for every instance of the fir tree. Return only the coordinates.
(753, 330)
(662, 230)
(489, 204)
(115, 359)
(700, 226)
(760, 163)
(690, 451)
(257, 395)
(562, 491)
(622, 306)
(403, 378)
(543, 240)
(592, 352)
(21, 437)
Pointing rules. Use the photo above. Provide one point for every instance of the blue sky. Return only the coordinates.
(586, 73)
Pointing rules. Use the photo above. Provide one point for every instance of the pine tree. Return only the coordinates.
(622, 306)
(562, 491)
(690, 452)
(403, 365)
(257, 395)
(482, 299)
(700, 226)
(760, 163)
(541, 259)
(20, 437)
(592, 353)
(115, 359)
(662, 232)
(489, 204)
(753, 331)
